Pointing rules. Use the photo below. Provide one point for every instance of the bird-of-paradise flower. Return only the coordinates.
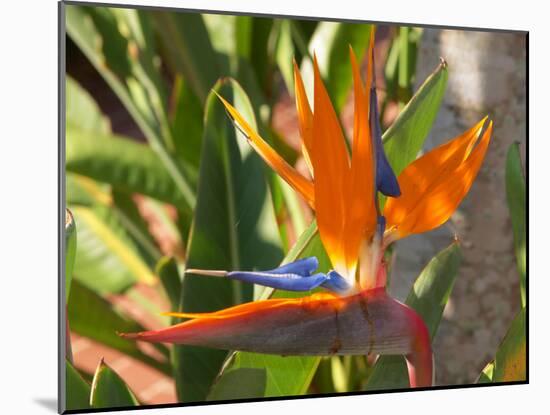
(357, 316)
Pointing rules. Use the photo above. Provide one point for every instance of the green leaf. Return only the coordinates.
(284, 53)
(486, 375)
(82, 111)
(511, 359)
(261, 59)
(167, 270)
(330, 43)
(515, 192)
(186, 122)
(138, 229)
(121, 162)
(510, 363)
(189, 50)
(70, 251)
(107, 259)
(77, 390)
(114, 206)
(109, 390)
(284, 376)
(93, 317)
(234, 228)
(118, 43)
(405, 137)
(428, 298)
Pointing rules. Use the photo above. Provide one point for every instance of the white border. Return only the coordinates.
(28, 216)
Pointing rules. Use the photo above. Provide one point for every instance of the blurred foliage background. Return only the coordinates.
(157, 179)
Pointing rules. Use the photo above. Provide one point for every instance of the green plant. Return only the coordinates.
(230, 211)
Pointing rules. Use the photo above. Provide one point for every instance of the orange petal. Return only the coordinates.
(305, 117)
(434, 185)
(331, 166)
(361, 216)
(271, 157)
(418, 176)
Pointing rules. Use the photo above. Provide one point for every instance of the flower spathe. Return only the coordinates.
(362, 318)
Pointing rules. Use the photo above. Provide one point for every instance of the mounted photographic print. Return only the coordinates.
(265, 206)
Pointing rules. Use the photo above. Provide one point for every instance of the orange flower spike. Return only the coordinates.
(318, 325)
(271, 157)
(331, 165)
(434, 185)
(361, 215)
(305, 117)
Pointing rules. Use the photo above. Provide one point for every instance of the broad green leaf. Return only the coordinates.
(428, 298)
(118, 43)
(82, 110)
(107, 260)
(188, 49)
(222, 31)
(167, 270)
(511, 358)
(109, 390)
(400, 67)
(510, 363)
(330, 43)
(81, 190)
(284, 53)
(70, 250)
(187, 122)
(486, 375)
(77, 390)
(115, 206)
(405, 137)
(93, 317)
(126, 208)
(284, 376)
(261, 54)
(121, 162)
(515, 192)
(234, 228)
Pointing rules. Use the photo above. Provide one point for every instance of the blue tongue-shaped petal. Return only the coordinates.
(288, 282)
(303, 267)
(386, 182)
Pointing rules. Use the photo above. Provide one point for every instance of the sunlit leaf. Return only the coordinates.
(82, 111)
(121, 162)
(405, 137)
(515, 192)
(77, 390)
(107, 260)
(109, 390)
(486, 375)
(511, 357)
(284, 53)
(330, 43)
(70, 250)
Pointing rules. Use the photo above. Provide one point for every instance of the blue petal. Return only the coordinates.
(336, 283)
(386, 182)
(303, 267)
(380, 226)
(289, 282)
